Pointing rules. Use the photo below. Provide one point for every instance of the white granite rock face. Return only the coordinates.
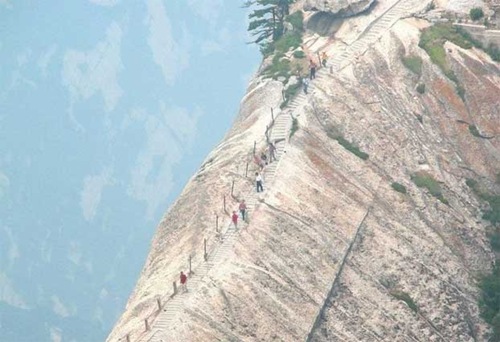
(342, 8)
(331, 232)
(463, 6)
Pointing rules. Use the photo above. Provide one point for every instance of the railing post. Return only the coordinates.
(254, 147)
(224, 203)
(158, 302)
(272, 115)
(128, 337)
(246, 170)
(216, 223)
(146, 324)
(175, 288)
(205, 255)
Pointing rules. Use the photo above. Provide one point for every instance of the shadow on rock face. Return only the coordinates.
(327, 23)
(324, 24)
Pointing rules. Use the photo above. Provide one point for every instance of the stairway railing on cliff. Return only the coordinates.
(162, 301)
(336, 62)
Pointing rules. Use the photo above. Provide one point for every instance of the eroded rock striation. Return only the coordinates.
(342, 8)
(331, 251)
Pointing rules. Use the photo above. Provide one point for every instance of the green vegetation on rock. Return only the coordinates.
(492, 214)
(280, 67)
(489, 302)
(424, 180)
(299, 54)
(295, 127)
(413, 63)
(405, 297)
(399, 187)
(492, 50)
(349, 146)
(474, 131)
(476, 13)
(432, 41)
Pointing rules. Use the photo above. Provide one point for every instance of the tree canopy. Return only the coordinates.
(267, 19)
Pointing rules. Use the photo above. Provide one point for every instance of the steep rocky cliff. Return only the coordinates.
(332, 252)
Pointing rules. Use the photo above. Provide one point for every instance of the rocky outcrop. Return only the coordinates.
(332, 252)
(339, 8)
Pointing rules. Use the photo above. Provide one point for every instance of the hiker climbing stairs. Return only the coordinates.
(174, 307)
(279, 135)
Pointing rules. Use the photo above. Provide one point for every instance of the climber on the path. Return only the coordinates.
(258, 182)
(305, 85)
(259, 162)
(272, 152)
(243, 210)
(324, 58)
(184, 282)
(263, 157)
(235, 219)
(312, 68)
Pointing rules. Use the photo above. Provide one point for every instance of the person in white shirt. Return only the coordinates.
(258, 181)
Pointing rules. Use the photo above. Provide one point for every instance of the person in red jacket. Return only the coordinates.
(243, 210)
(235, 219)
(184, 282)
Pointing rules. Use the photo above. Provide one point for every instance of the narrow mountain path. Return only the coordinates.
(174, 306)
(280, 130)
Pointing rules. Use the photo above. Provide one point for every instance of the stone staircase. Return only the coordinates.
(174, 306)
(280, 130)
(400, 9)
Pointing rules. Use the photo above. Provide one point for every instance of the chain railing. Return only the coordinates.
(162, 301)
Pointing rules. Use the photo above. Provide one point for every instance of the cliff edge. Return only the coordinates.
(366, 230)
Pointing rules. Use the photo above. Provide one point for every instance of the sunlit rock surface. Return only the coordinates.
(330, 232)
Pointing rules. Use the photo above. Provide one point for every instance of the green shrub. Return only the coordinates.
(492, 214)
(489, 302)
(476, 13)
(460, 91)
(424, 180)
(489, 285)
(297, 20)
(350, 147)
(267, 49)
(405, 297)
(474, 131)
(295, 127)
(495, 240)
(432, 41)
(399, 187)
(288, 41)
(413, 63)
(299, 54)
(433, 38)
(280, 67)
(471, 183)
(421, 88)
(494, 52)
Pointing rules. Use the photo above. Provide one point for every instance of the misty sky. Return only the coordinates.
(107, 107)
